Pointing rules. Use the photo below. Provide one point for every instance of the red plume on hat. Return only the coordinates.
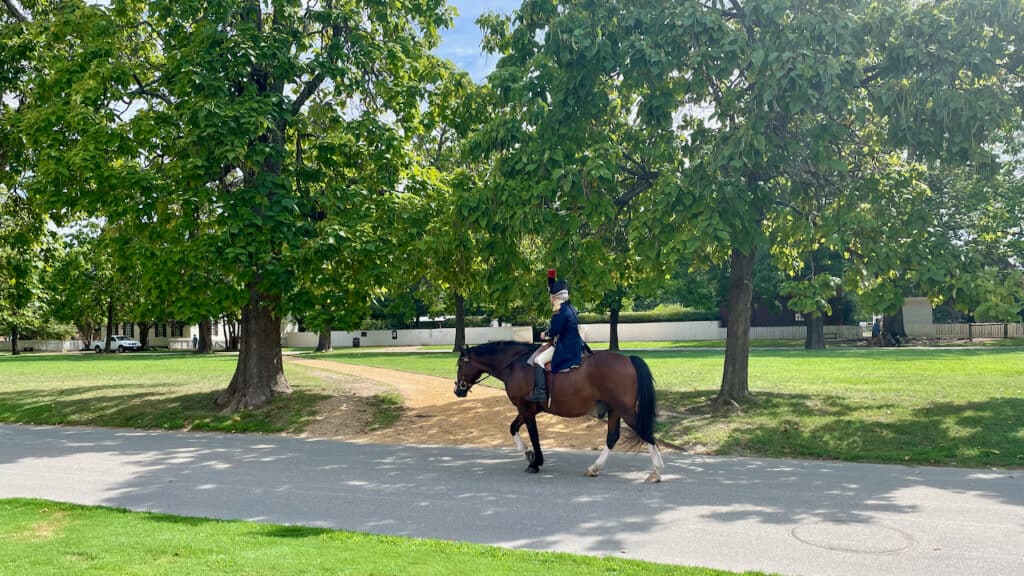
(551, 277)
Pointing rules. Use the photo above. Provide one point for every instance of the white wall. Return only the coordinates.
(647, 332)
(44, 345)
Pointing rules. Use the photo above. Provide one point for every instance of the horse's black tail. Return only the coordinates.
(645, 400)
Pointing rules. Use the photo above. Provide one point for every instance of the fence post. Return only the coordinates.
(970, 332)
(1006, 330)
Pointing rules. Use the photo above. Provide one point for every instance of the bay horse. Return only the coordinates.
(623, 383)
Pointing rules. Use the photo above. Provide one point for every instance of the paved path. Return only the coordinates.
(787, 516)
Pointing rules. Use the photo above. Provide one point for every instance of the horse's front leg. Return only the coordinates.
(538, 457)
(513, 429)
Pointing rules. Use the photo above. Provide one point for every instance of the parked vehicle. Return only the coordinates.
(119, 343)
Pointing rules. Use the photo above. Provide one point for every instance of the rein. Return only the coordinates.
(502, 369)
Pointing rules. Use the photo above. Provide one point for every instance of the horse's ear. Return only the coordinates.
(463, 349)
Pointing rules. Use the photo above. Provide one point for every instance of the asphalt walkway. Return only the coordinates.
(785, 516)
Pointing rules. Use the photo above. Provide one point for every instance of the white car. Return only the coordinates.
(119, 344)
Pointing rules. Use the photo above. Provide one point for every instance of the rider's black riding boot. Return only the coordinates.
(540, 393)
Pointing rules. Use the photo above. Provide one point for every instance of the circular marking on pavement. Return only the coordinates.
(853, 537)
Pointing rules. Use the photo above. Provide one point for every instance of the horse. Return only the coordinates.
(623, 383)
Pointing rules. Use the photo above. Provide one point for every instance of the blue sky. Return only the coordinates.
(461, 43)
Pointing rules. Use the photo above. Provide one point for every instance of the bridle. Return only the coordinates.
(463, 386)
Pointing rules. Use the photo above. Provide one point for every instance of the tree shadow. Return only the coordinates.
(478, 494)
(145, 410)
(979, 433)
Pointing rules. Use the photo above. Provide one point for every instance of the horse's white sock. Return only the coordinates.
(601, 460)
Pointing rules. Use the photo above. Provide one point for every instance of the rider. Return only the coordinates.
(567, 351)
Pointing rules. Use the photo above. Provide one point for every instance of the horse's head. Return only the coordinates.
(468, 374)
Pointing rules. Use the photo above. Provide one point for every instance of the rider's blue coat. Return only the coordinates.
(565, 329)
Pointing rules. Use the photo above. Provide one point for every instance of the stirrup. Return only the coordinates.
(537, 395)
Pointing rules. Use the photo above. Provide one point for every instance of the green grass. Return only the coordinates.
(387, 409)
(697, 344)
(166, 391)
(42, 538)
(944, 406)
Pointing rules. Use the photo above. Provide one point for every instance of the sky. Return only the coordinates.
(461, 42)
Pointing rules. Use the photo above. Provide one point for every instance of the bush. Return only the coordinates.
(471, 322)
(677, 315)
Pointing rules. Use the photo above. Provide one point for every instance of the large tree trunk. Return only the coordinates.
(323, 343)
(893, 331)
(14, 340)
(613, 327)
(144, 334)
(735, 387)
(460, 321)
(815, 339)
(205, 345)
(259, 374)
(110, 324)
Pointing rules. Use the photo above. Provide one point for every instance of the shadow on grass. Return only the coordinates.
(293, 532)
(196, 411)
(980, 433)
(269, 531)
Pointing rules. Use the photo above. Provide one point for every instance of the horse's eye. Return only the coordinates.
(464, 359)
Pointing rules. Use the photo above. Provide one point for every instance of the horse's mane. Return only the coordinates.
(502, 348)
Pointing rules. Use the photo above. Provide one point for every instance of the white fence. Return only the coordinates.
(647, 332)
(650, 332)
(706, 330)
(185, 344)
(43, 345)
(967, 331)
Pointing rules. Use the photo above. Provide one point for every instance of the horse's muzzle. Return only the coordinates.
(461, 389)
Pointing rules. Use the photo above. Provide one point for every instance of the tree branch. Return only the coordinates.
(145, 91)
(17, 11)
(641, 185)
(337, 31)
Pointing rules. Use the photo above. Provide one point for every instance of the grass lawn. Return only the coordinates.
(48, 538)
(168, 391)
(944, 406)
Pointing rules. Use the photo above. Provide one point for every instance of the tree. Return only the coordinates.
(583, 171)
(445, 250)
(766, 95)
(24, 247)
(81, 283)
(169, 109)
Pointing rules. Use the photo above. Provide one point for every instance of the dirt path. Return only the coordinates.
(432, 414)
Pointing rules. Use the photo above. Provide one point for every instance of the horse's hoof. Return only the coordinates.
(532, 470)
(654, 478)
(590, 473)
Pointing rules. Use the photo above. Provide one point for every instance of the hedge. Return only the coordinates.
(651, 316)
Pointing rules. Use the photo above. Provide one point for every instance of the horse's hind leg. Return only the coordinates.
(538, 457)
(513, 429)
(614, 429)
(659, 464)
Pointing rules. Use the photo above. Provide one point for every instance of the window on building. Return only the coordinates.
(177, 329)
(215, 328)
(129, 330)
(160, 330)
